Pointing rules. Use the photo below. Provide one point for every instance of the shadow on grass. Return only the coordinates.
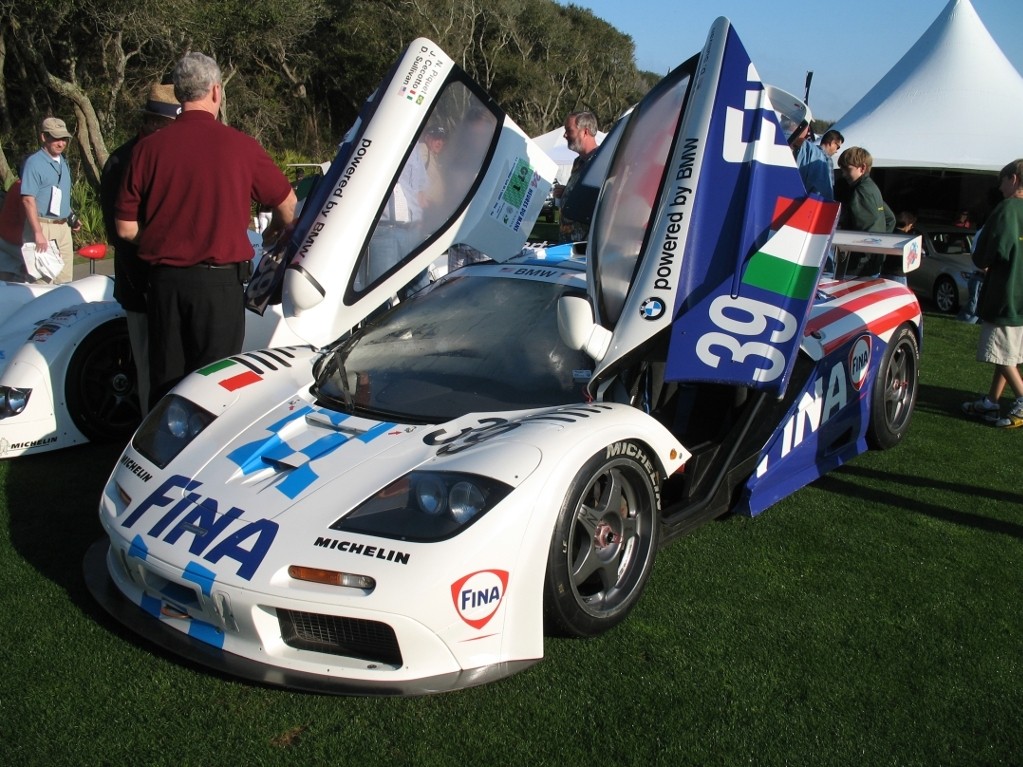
(53, 507)
(944, 400)
(836, 482)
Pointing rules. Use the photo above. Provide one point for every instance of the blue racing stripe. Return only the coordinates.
(201, 576)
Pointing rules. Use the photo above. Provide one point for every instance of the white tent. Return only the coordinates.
(554, 146)
(953, 101)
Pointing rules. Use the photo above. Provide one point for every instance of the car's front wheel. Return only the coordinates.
(894, 394)
(604, 542)
(946, 295)
(100, 388)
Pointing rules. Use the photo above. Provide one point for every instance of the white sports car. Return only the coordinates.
(66, 370)
(407, 507)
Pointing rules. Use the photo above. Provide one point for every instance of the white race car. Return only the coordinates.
(66, 370)
(406, 508)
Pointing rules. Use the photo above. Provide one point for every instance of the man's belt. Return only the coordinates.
(204, 265)
(53, 220)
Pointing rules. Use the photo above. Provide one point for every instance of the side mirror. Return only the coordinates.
(578, 330)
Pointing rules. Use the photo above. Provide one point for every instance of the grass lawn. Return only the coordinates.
(873, 618)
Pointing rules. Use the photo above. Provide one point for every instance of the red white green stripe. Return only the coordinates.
(788, 264)
(236, 378)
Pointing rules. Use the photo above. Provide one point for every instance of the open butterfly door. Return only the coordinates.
(392, 202)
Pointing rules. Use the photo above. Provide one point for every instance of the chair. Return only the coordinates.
(94, 253)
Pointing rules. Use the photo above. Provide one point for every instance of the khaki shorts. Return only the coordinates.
(1000, 345)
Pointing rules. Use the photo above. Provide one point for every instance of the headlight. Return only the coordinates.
(425, 506)
(168, 429)
(12, 400)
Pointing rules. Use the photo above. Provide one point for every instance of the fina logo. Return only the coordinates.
(652, 309)
(859, 361)
(478, 595)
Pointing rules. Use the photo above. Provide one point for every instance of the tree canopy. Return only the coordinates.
(296, 73)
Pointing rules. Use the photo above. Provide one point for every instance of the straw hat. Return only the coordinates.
(161, 102)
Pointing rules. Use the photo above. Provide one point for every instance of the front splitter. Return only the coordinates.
(104, 591)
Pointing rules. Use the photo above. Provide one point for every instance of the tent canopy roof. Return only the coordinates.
(953, 101)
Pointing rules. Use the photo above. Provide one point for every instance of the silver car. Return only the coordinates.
(946, 266)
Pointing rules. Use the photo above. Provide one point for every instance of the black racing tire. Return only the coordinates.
(604, 542)
(100, 387)
(894, 394)
(946, 294)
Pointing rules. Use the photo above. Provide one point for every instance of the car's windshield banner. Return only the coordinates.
(756, 244)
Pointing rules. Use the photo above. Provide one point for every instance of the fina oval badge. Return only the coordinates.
(859, 361)
(478, 595)
(651, 309)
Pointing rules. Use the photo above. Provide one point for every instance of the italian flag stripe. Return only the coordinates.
(778, 275)
(240, 380)
(789, 262)
(808, 215)
(216, 367)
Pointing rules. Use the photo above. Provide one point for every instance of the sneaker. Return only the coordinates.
(981, 408)
(1014, 419)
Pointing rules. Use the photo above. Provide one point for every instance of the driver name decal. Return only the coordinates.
(425, 68)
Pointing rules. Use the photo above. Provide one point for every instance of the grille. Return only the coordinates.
(366, 640)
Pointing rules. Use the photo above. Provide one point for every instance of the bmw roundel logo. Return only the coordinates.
(652, 309)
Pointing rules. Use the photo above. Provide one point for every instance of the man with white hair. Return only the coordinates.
(186, 200)
(581, 137)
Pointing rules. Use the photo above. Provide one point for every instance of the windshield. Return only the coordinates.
(474, 343)
(433, 184)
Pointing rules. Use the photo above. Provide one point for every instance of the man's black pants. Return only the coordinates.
(196, 316)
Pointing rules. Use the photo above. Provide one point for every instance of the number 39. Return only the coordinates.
(753, 319)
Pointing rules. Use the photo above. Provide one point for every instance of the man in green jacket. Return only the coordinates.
(999, 250)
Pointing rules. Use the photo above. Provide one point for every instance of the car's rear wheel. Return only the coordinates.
(894, 394)
(946, 295)
(100, 386)
(604, 542)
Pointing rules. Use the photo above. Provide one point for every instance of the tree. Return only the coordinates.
(296, 73)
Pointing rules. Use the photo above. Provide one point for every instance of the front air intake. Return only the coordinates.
(366, 640)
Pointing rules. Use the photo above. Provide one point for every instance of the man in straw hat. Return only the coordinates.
(131, 273)
(46, 195)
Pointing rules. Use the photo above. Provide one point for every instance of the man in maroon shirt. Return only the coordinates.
(186, 200)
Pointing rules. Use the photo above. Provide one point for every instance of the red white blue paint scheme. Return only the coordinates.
(408, 507)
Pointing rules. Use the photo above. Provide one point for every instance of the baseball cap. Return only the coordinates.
(55, 127)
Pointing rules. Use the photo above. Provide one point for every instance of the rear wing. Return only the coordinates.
(904, 246)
